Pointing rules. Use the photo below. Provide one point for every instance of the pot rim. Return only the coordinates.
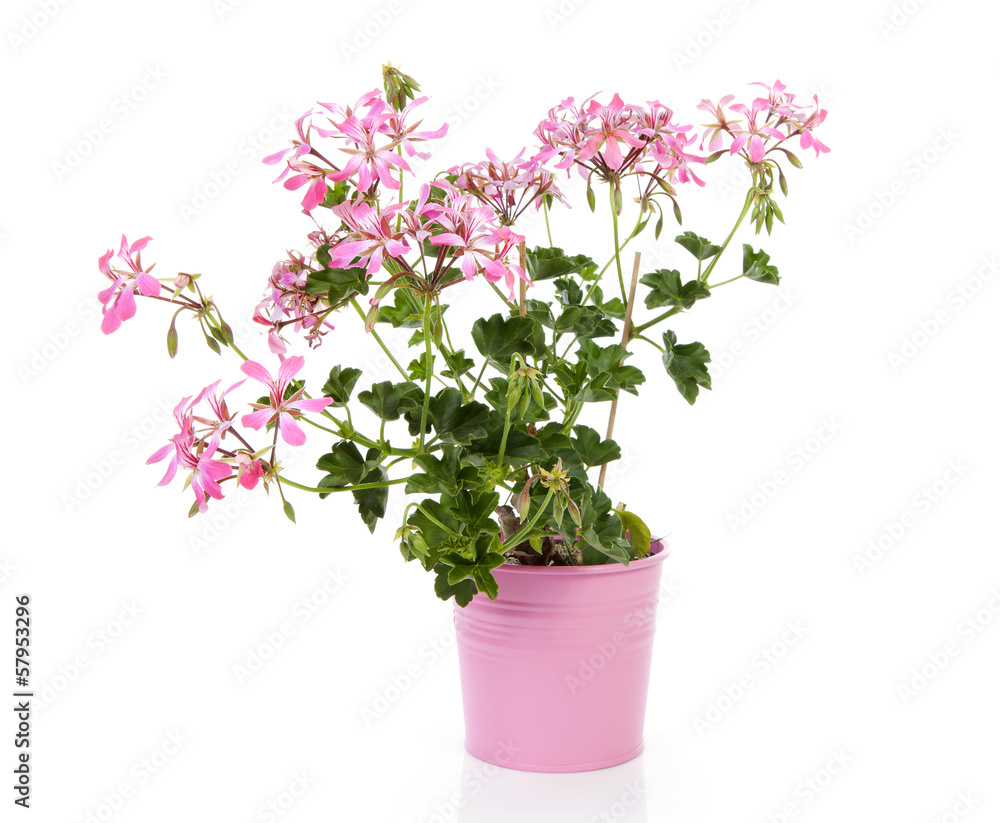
(658, 552)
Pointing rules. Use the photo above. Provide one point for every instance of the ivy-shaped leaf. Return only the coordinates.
(372, 502)
(344, 465)
(667, 290)
(687, 364)
(755, 266)
(340, 384)
(698, 246)
(499, 338)
(549, 263)
(592, 450)
(390, 400)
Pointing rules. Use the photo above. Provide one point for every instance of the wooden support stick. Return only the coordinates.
(524, 286)
(626, 335)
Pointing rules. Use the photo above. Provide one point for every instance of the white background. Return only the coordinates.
(874, 341)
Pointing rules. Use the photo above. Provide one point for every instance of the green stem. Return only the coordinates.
(746, 207)
(525, 530)
(670, 313)
(428, 332)
(618, 248)
(652, 343)
(548, 228)
(503, 440)
(333, 489)
(400, 369)
(479, 379)
(501, 295)
(722, 283)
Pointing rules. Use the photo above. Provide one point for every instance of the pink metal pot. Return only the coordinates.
(555, 672)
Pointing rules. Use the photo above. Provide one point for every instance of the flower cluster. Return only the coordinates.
(509, 188)
(372, 134)
(205, 420)
(765, 124)
(289, 302)
(615, 139)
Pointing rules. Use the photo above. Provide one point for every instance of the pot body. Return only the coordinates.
(555, 672)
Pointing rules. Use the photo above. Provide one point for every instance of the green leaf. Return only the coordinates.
(568, 292)
(463, 591)
(458, 364)
(548, 263)
(344, 466)
(340, 384)
(338, 284)
(604, 365)
(592, 450)
(755, 266)
(404, 312)
(335, 195)
(441, 474)
(638, 532)
(390, 400)
(479, 568)
(698, 246)
(454, 420)
(609, 548)
(687, 364)
(372, 502)
(667, 290)
(499, 338)
(585, 321)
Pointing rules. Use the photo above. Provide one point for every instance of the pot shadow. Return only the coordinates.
(490, 794)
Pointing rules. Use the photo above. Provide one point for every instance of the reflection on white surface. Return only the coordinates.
(489, 794)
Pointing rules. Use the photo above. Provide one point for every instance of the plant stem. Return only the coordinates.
(548, 228)
(428, 302)
(526, 529)
(618, 257)
(333, 489)
(626, 336)
(400, 369)
(746, 207)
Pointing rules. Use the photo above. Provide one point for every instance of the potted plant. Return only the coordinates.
(555, 588)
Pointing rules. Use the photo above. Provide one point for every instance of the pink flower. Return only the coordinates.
(222, 419)
(289, 302)
(406, 136)
(190, 453)
(754, 136)
(507, 187)
(310, 175)
(249, 471)
(368, 161)
(298, 147)
(808, 139)
(371, 236)
(283, 410)
(716, 132)
(478, 245)
(615, 123)
(119, 298)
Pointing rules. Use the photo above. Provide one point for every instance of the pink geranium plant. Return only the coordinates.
(487, 442)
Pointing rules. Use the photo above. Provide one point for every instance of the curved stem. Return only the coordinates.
(375, 334)
(739, 220)
(334, 489)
